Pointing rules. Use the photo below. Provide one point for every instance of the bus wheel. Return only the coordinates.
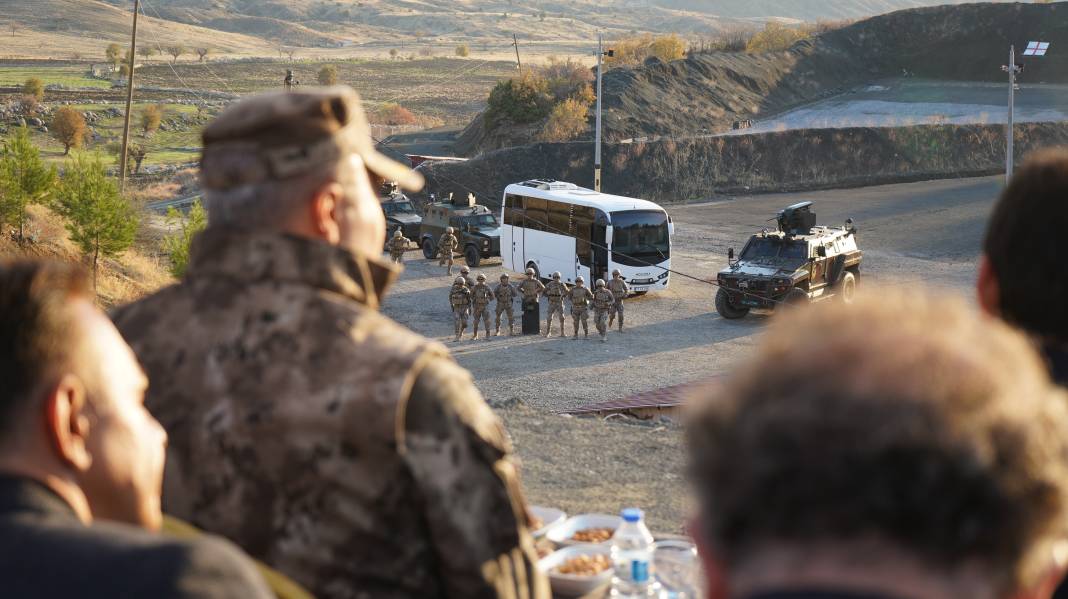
(472, 256)
(428, 249)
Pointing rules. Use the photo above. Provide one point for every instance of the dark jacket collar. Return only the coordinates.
(1057, 358)
(25, 495)
(254, 257)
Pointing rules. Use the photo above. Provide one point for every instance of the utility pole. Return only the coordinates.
(124, 157)
(515, 42)
(1012, 70)
(597, 136)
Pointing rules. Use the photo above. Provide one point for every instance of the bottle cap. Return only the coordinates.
(632, 514)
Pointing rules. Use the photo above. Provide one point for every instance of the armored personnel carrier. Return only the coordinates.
(400, 214)
(799, 263)
(474, 225)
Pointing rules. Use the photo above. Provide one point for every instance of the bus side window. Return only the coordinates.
(534, 212)
(582, 225)
(559, 217)
(513, 210)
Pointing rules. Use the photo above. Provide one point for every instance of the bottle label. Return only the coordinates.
(639, 571)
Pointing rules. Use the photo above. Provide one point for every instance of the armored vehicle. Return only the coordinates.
(474, 225)
(399, 212)
(799, 263)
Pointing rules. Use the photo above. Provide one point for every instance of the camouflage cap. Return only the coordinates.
(460, 282)
(280, 135)
(599, 283)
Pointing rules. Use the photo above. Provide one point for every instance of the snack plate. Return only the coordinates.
(549, 517)
(561, 533)
(569, 584)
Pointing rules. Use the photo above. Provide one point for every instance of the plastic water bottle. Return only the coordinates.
(632, 558)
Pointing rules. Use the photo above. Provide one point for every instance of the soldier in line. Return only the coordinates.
(465, 272)
(603, 301)
(618, 287)
(481, 296)
(580, 297)
(531, 288)
(555, 291)
(397, 246)
(290, 81)
(460, 300)
(446, 247)
(505, 293)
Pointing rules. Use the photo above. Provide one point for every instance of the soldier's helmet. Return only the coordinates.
(480, 278)
(459, 282)
(448, 229)
(397, 233)
(599, 283)
(616, 273)
(530, 272)
(579, 279)
(464, 270)
(556, 276)
(504, 277)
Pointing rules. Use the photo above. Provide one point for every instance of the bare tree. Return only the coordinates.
(146, 51)
(203, 53)
(290, 52)
(176, 51)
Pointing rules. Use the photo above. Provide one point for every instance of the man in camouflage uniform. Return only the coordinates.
(446, 248)
(397, 246)
(531, 288)
(481, 296)
(619, 288)
(325, 439)
(580, 297)
(465, 272)
(460, 300)
(555, 291)
(603, 300)
(505, 293)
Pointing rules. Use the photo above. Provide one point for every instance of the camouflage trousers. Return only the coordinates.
(555, 309)
(446, 258)
(581, 315)
(459, 320)
(397, 257)
(506, 309)
(617, 307)
(481, 313)
(600, 319)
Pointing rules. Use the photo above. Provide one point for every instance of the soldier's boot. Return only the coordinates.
(575, 336)
(474, 337)
(611, 317)
(496, 333)
(620, 323)
(563, 333)
(549, 328)
(586, 329)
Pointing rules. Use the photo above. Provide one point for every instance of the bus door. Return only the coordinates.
(512, 237)
(599, 267)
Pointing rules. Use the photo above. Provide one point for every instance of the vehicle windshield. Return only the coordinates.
(392, 208)
(774, 249)
(640, 237)
(479, 221)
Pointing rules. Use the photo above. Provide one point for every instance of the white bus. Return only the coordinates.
(556, 226)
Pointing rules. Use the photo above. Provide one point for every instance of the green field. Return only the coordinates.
(69, 76)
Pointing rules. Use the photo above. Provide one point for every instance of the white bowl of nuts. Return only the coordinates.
(595, 529)
(578, 570)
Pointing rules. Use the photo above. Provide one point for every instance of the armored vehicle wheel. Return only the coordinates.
(428, 249)
(472, 256)
(726, 309)
(847, 288)
(796, 297)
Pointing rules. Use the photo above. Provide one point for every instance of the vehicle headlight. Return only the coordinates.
(662, 276)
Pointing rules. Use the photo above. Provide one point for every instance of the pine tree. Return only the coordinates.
(99, 220)
(177, 245)
(24, 179)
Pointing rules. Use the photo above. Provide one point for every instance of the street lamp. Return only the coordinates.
(1033, 49)
(597, 142)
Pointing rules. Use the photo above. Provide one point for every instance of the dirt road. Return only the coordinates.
(926, 232)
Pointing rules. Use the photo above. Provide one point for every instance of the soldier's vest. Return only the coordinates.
(447, 242)
(505, 293)
(579, 299)
(603, 299)
(555, 292)
(481, 295)
(460, 298)
(399, 244)
(617, 287)
(529, 288)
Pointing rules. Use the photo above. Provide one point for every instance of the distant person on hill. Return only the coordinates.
(1023, 274)
(901, 448)
(327, 440)
(81, 461)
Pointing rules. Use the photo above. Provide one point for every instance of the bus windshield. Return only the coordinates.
(640, 237)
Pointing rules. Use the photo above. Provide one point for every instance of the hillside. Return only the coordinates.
(703, 94)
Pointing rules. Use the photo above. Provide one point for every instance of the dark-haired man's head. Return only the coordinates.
(1023, 276)
(71, 411)
(903, 447)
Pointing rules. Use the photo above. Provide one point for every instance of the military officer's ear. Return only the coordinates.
(67, 422)
(325, 212)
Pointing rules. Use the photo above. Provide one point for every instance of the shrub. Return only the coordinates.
(113, 53)
(328, 75)
(68, 127)
(775, 37)
(565, 77)
(463, 51)
(176, 51)
(394, 114)
(634, 50)
(151, 117)
(177, 244)
(525, 99)
(203, 52)
(566, 121)
(34, 87)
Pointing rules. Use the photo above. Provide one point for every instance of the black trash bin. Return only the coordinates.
(531, 318)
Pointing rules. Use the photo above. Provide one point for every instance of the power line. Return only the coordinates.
(204, 64)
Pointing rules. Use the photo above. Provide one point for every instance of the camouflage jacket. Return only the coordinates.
(603, 299)
(580, 297)
(447, 243)
(481, 295)
(556, 291)
(398, 245)
(531, 289)
(325, 439)
(460, 297)
(505, 294)
(619, 288)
